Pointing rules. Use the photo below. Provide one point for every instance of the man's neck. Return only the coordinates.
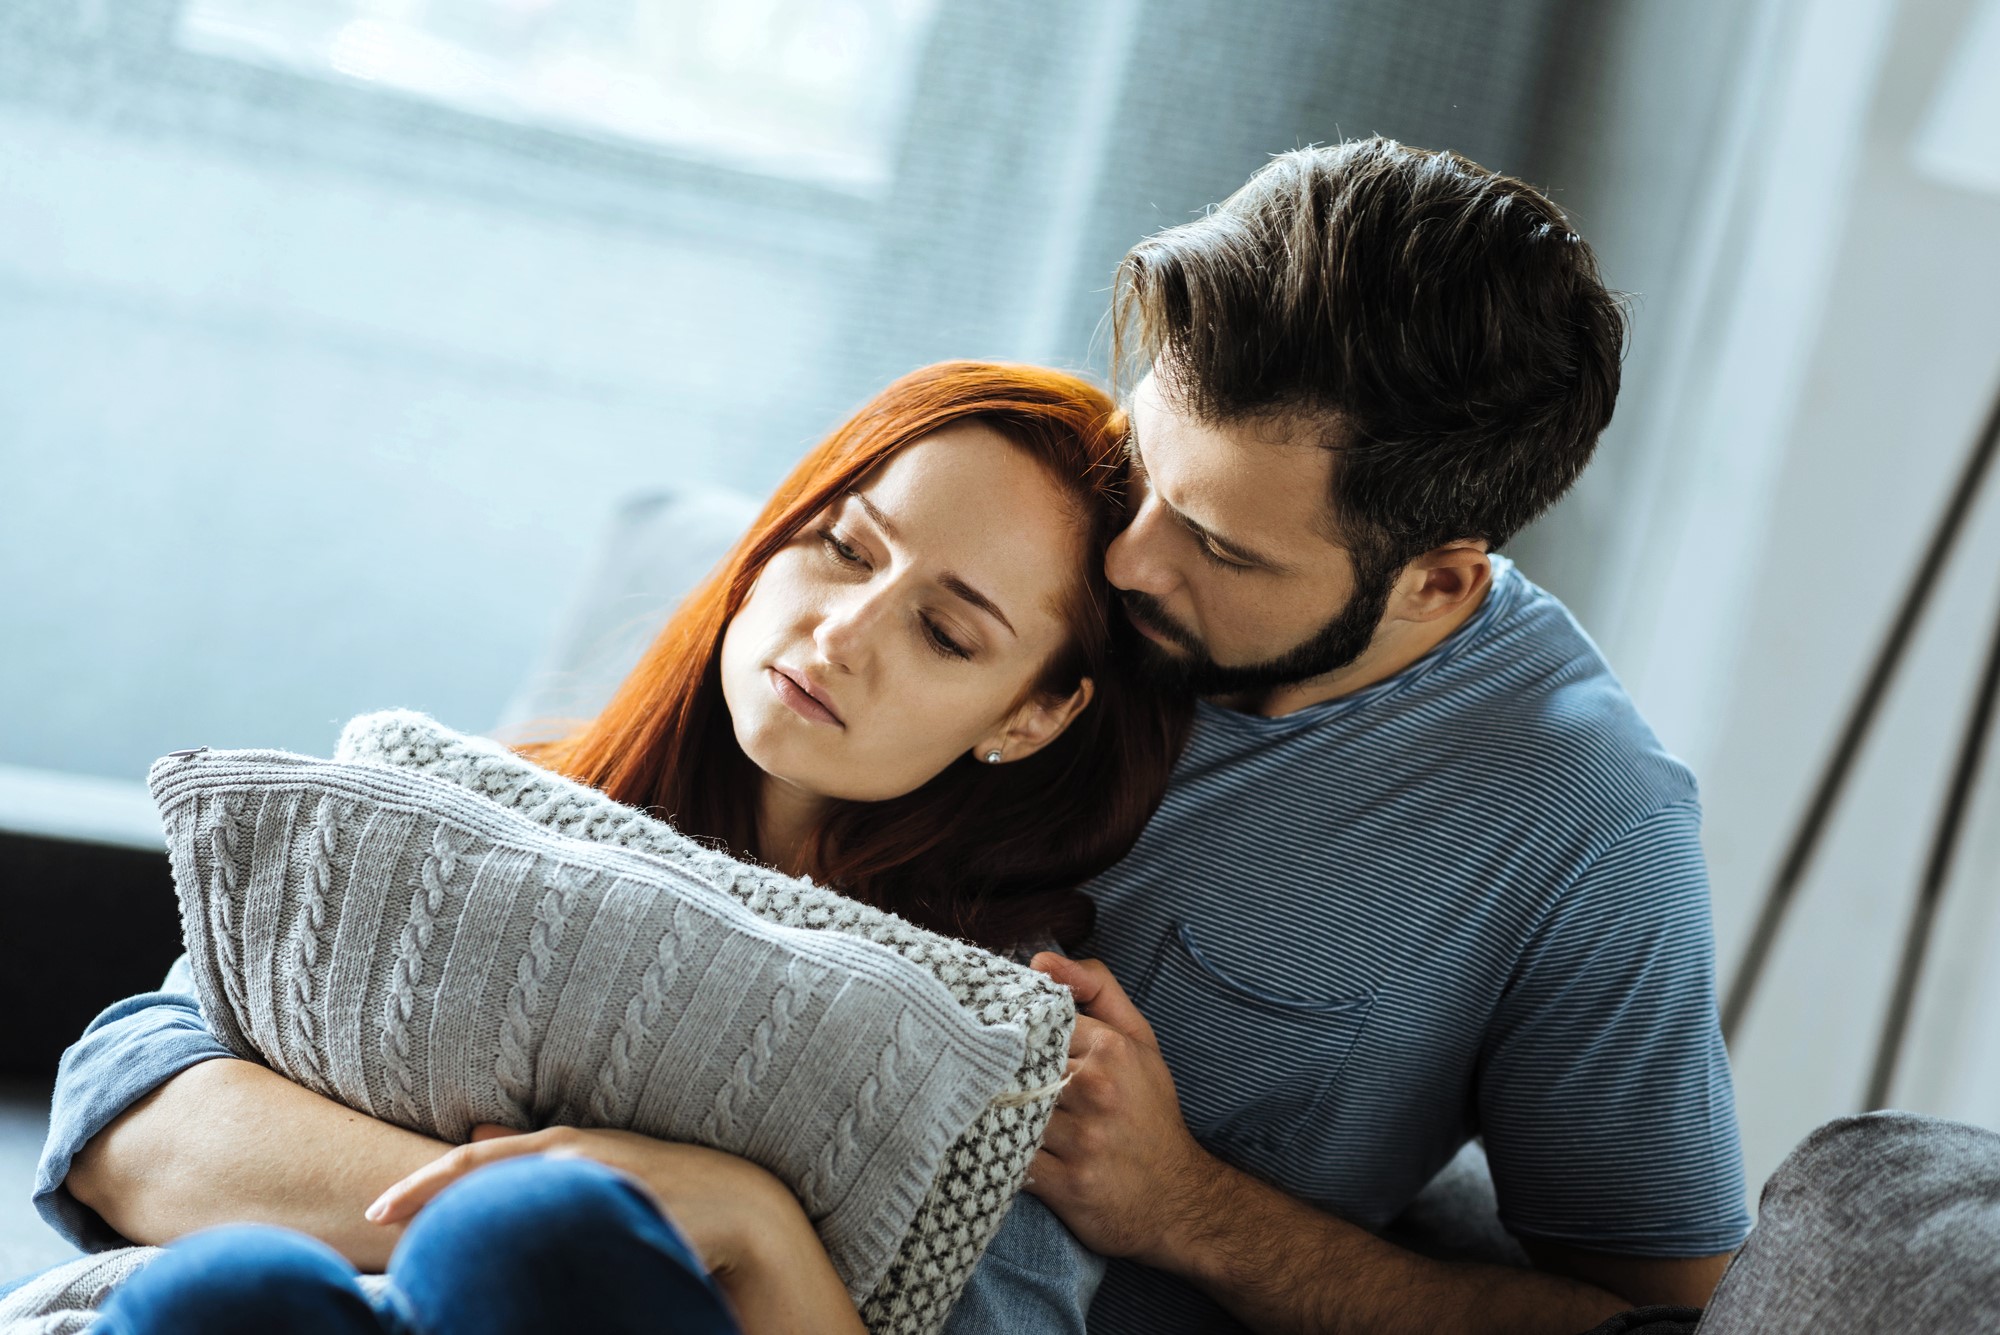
(1396, 647)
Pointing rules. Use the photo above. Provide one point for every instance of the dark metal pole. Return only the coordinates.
(1826, 793)
(1937, 872)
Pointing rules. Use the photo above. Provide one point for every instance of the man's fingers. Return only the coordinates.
(1098, 994)
(1083, 1040)
(1059, 1137)
(1048, 1176)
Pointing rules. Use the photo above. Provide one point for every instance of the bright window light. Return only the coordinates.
(805, 88)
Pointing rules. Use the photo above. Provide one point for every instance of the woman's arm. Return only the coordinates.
(130, 1049)
(746, 1226)
(230, 1141)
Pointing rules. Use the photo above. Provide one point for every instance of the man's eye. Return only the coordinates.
(1216, 558)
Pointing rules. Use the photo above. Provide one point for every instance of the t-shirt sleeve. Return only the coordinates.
(131, 1049)
(1604, 1093)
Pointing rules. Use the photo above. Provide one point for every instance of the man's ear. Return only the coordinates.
(1442, 581)
(1039, 720)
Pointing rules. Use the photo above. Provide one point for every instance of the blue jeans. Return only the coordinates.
(1035, 1278)
(532, 1244)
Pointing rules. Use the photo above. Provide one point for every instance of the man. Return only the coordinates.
(1422, 874)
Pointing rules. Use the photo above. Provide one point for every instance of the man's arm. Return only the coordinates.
(1120, 1167)
(1280, 1265)
(229, 1141)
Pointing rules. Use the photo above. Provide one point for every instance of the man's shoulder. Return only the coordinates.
(1532, 698)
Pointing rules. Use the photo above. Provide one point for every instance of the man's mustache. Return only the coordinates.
(1146, 609)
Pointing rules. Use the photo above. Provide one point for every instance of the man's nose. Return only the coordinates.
(1138, 559)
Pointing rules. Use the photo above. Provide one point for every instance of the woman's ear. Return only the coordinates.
(1039, 721)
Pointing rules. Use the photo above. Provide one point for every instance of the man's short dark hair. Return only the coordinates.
(1441, 326)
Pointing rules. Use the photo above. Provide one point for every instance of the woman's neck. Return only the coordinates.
(786, 817)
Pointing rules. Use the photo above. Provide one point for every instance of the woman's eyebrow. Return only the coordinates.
(875, 513)
(952, 583)
(979, 600)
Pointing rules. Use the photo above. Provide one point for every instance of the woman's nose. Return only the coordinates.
(848, 627)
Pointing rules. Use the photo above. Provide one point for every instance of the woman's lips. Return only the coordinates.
(792, 689)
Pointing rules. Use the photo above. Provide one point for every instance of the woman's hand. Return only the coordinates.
(722, 1203)
(745, 1225)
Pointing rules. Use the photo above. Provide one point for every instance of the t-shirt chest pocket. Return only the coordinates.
(1253, 1066)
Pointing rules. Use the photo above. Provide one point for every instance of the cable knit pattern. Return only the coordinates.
(722, 1127)
(305, 959)
(225, 847)
(407, 975)
(838, 1155)
(503, 968)
(642, 1015)
(983, 1167)
(516, 1069)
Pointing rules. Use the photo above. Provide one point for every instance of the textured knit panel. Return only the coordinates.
(413, 950)
(984, 1168)
(63, 1301)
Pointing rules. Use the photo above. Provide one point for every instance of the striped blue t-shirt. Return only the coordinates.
(1466, 901)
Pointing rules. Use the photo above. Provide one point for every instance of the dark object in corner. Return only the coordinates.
(1651, 1321)
(81, 925)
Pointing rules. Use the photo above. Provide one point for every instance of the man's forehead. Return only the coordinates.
(1265, 479)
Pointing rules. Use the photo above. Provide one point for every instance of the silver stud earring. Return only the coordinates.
(992, 757)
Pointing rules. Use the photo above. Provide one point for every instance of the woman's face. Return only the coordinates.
(906, 625)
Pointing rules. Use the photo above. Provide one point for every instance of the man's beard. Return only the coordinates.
(1333, 646)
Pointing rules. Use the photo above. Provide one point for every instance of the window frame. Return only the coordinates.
(75, 59)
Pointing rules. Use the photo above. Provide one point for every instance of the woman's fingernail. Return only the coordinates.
(375, 1212)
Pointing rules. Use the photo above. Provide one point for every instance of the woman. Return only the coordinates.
(905, 681)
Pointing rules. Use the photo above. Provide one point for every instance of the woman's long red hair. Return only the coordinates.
(990, 853)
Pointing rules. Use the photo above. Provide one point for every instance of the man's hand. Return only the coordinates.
(1117, 1163)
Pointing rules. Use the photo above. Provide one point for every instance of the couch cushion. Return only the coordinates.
(657, 546)
(1885, 1222)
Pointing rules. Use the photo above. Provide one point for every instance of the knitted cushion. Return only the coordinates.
(984, 1168)
(402, 944)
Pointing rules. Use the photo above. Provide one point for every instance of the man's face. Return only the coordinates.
(1229, 568)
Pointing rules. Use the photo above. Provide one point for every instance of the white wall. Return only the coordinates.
(1831, 345)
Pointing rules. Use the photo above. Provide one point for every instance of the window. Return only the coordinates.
(802, 88)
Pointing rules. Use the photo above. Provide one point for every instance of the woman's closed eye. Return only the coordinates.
(940, 640)
(935, 636)
(840, 549)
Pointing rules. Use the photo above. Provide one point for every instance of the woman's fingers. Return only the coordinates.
(493, 1130)
(411, 1194)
